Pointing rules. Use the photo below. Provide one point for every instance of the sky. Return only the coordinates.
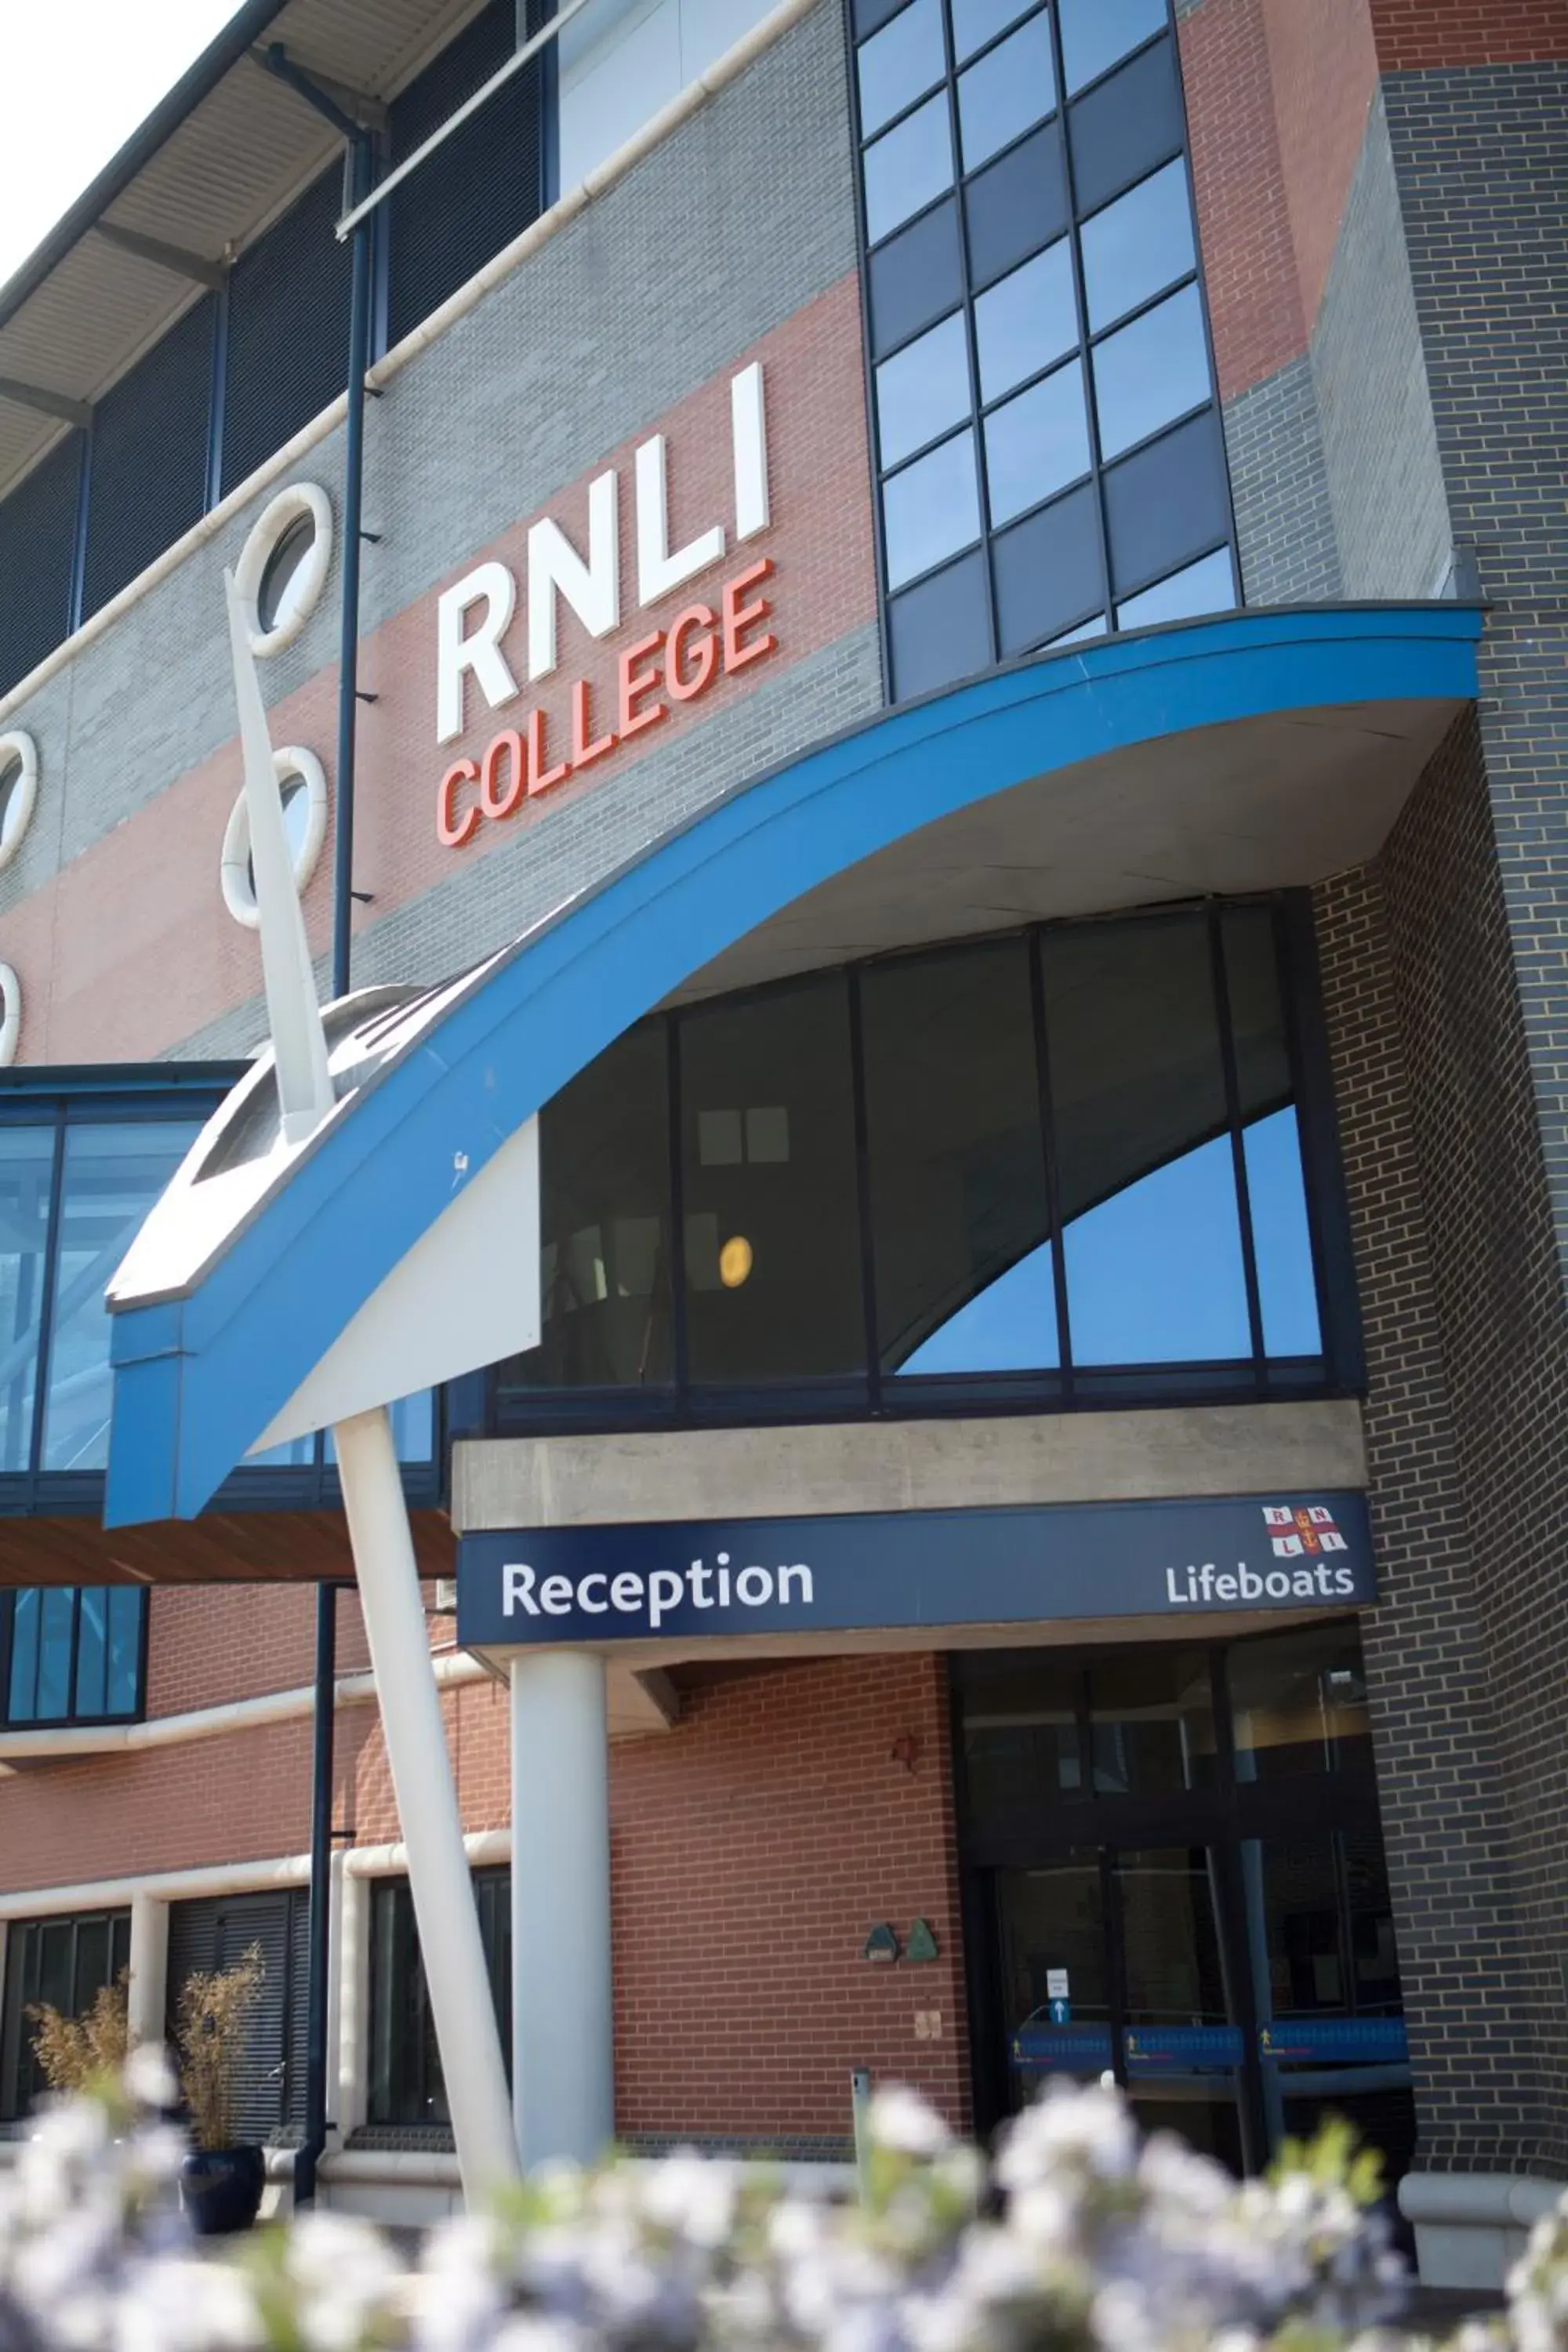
(80, 75)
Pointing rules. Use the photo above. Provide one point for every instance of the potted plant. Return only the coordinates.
(83, 2053)
(223, 2178)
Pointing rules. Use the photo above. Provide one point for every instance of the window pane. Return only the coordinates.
(123, 1690)
(1299, 1704)
(604, 1226)
(930, 510)
(1152, 1233)
(923, 390)
(1018, 1713)
(908, 167)
(1282, 1236)
(1026, 322)
(1048, 572)
(406, 2085)
(112, 1176)
(1095, 33)
(26, 1164)
(940, 630)
(773, 1244)
(91, 1651)
(1208, 586)
(1017, 205)
(959, 1217)
(1085, 629)
(1013, 86)
(1150, 371)
(413, 1434)
(1036, 444)
(21, 1699)
(55, 1656)
(899, 62)
(976, 22)
(1141, 242)
(1151, 1722)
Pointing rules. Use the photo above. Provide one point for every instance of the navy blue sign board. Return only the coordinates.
(680, 1581)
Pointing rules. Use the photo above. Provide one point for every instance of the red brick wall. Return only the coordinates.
(1244, 221)
(753, 1847)
(1415, 34)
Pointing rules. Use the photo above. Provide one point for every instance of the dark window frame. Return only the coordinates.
(72, 1714)
(392, 2098)
(23, 1939)
(487, 1404)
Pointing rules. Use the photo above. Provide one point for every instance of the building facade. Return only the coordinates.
(1083, 1197)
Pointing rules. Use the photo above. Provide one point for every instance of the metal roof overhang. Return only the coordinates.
(1260, 750)
(211, 168)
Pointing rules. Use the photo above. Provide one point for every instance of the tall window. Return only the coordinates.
(215, 1934)
(1048, 442)
(405, 2082)
(1053, 1165)
(73, 1655)
(63, 1962)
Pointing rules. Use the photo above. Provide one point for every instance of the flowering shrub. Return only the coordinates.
(1081, 2238)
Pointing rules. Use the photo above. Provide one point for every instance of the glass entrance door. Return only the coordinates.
(1117, 1963)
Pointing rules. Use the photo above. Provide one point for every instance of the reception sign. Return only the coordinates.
(674, 1580)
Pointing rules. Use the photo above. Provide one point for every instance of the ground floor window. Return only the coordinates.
(1175, 1875)
(217, 1933)
(62, 1962)
(406, 2089)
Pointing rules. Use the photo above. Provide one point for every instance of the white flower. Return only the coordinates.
(149, 2078)
(901, 2120)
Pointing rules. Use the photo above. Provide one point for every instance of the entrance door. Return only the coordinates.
(1120, 1962)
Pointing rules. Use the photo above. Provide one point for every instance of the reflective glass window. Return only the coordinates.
(1137, 244)
(923, 390)
(75, 1654)
(1036, 444)
(1151, 1229)
(1276, 1186)
(112, 1176)
(1084, 631)
(940, 630)
(900, 62)
(1298, 1700)
(605, 1280)
(412, 1422)
(1011, 86)
(1020, 1717)
(771, 1226)
(1017, 205)
(1151, 371)
(1026, 322)
(908, 167)
(65, 1962)
(959, 1215)
(930, 510)
(1207, 587)
(976, 22)
(27, 1170)
(1095, 33)
(1151, 1723)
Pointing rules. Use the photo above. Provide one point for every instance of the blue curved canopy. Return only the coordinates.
(197, 1377)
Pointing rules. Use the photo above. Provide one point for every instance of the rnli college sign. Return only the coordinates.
(675, 1581)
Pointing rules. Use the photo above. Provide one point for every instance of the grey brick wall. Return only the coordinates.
(724, 230)
(1385, 481)
(1280, 489)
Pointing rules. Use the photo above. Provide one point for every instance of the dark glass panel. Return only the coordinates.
(26, 1616)
(1177, 1978)
(605, 1280)
(1166, 503)
(1093, 627)
(1152, 1723)
(908, 167)
(1017, 205)
(1011, 88)
(1208, 586)
(930, 510)
(1026, 322)
(1036, 443)
(1125, 126)
(1052, 1932)
(1095, 33)
(55, 1625)
(1137, 244)
(1151, 371)
(91, 1651)
(150, 456)
(1277, 1191)
(38, 549)
(1018, 1718)
(923, 390)
(112, 1176)
(896, 66)
(772, 1248)
(123, 1681)
(406, 2086)
(915, 277)
(1047, 572)
(26, 1175)
(1299, 1699)
(960, 1224)
(288, 329)
(1152, 1232)
(976, 22)
(940, 630)
(869, 16)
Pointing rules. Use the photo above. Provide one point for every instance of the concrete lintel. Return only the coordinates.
(915, 1465)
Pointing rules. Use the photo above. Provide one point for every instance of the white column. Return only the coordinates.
(354, 2060)
(147, 2008)
(562, 2053)
(443, 1906)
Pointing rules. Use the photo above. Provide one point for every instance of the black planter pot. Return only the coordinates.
(221, 2188)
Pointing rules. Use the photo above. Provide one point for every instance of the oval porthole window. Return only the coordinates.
(10, 1015)
(18, 791)
(283, 565)
(303, 784)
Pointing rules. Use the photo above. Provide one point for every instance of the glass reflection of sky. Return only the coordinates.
(1155, 1273)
